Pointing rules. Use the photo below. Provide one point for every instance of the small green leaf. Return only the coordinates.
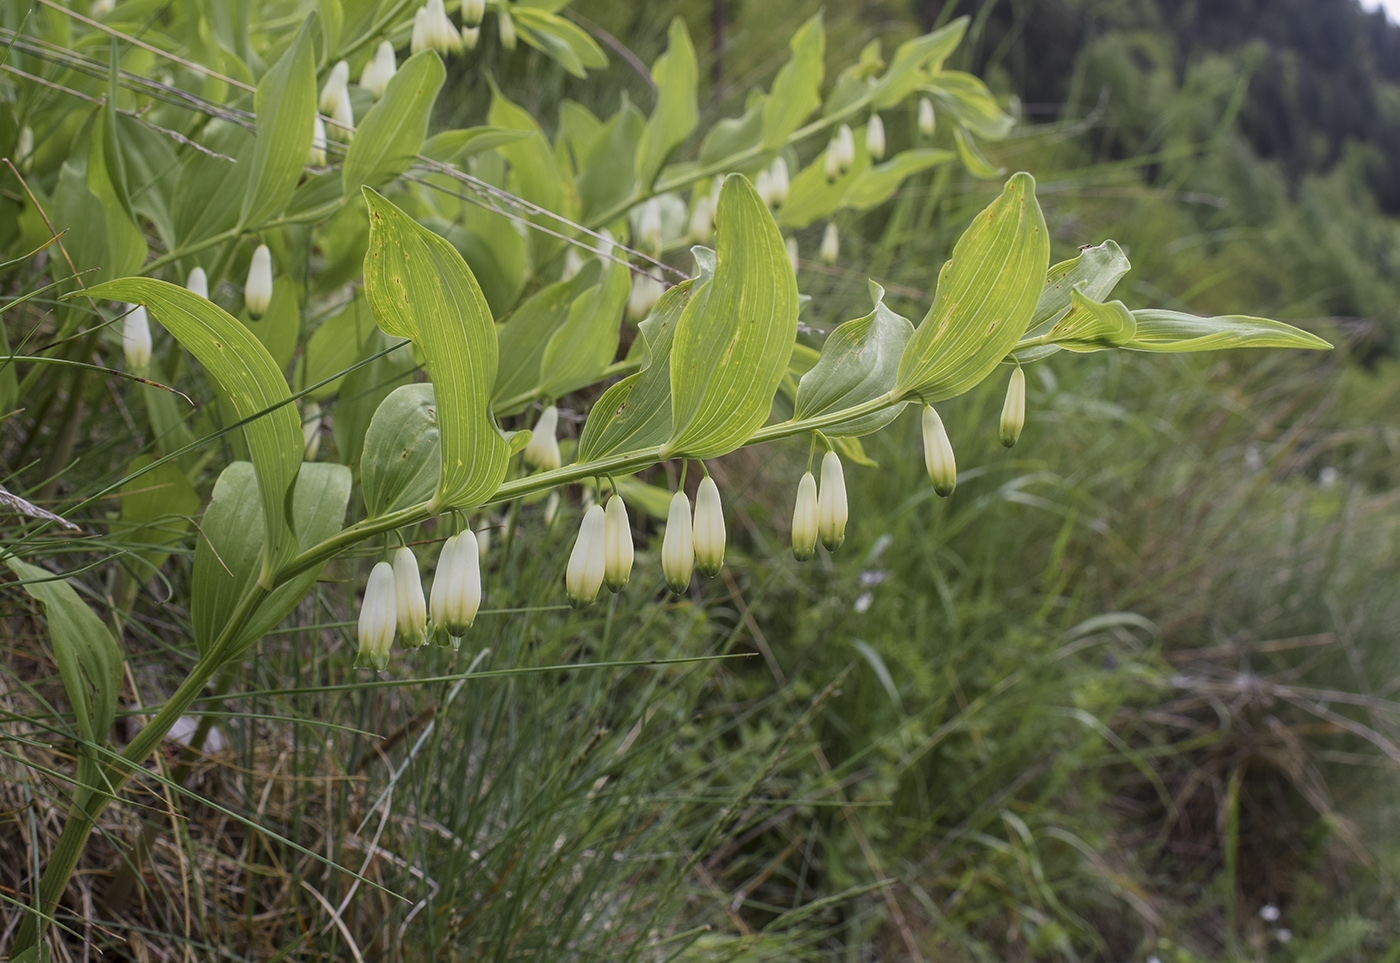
(733, 135)
(735, 336)
(874, 185)
(584, 345)
(908, 69)
(606, 178)
(89, 659)
(797, 89)
(534, 171)
(858, 363)
(635, 413)
(1173, 331)
(987, 294)
(403, 451)
(286, 110)
(675, 115)
(453, 146)
(966, 98)
(250, 379)
(210, 190)
(419, 288)
(526, 334)
(386, 142)
(972, 157)
(562, 41)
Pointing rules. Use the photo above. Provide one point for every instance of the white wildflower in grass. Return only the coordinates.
(410, 608)
(100, 8)
(778, 182)
(542, 451)
(649, 227)
(311, 431)
(456, 594)
(831, 163)
(804, 519)
(419, 40)
(471, 36)
(378, 618)
(926, 120)
(1013, 412)
(379, 70)
(472, 12)
(708, 529)
(344, 116)
(257, 294)
(588, 563)
(792, 252)
(938, 454)
(136, 339)
(677, 546)
(507, 30)
(336, 87)
(198, 282)
(846, 142)
(831, 503)
(317, 157)
(763, 186)
(831, 244)
(617, 537)
(875, 138)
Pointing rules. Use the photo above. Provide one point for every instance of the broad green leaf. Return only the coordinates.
(453, 146)
(911, 63)
(250, 379)
(535, 173)
(286, 110)
(585, 344)
(363, 390)
(986, 297)
(106, 132)
(332, 24)
(968, 99)
(316, 198)
(852, 83)
(338, 343)
(675, 115)
(874, 185)
(89, 658)
(403, 451)
(607, 178)
(733, 340)
(230, 544)
(526, 334)
(973, 159)
(386, 142)
(562, 41)
(635, 413)
(797, 91)
(1173, 331)
(102, 241)
(277, 329)
(156, 510)
(1094, 272)
(210, 190)
(858, 363)
(733, 135)
(419, 288)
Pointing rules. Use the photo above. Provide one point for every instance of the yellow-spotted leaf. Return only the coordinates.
(387, 140)
(734, 338)
(987, 294)
(419, 288)
(286, 110)
(250, 379)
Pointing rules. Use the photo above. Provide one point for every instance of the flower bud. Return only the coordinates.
(377, 618)
(778, 181)
(702, 219)
(617, 539)
(831, 503)
(472, 12)
(198, 282)
(708, 531)
(938, 454)
(100, 8)
(831, 244)
(831, 164)
(677, 548)
(847, 146)
(804, 519)
(24, 149)
(311, 431)
(317, 157)
(542, 451)
(649, 227)
(344, 116)
(875, 138)
(379, 70)
(926, 120)
(792, 252)
(471, 36)
(573, 263)
(419, 40)
(335, 87)
(588, 562)
(445, 38)
(763, 186)
(410, 608)
(136, 340)
(507, 28)
(258, 292)
(1013, 412)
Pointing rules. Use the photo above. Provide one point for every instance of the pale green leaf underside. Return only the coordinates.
(1173, 331)
(403, 451)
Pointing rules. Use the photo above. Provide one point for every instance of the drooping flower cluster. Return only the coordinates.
(394, 604)
(434, 30)
(820, 514)
(379, 70)
(335, 103)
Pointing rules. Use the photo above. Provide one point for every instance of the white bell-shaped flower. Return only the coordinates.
(471, 36)
(831, 244)
(317, 157)
(136, 340)
(336, 87)
(875, 138)
(649, 227)
(677, 545)
(702, 219)
(311, 431)
(804, 519)
(456, 594)
(573, 263)
(344, 116)
(542, 451)
(100, 8)
(846, 141)
(926, 118)
(646, 291)
(617, 537)
(831, 503)
(419, 39)
(1013, 411)
(257, 294)
(708, 530)
(444, 37)
(831, 163)
(763, 186)
(379, 70)
(378, 617)
(588, 563)
(938, 454)
(410, 608)
(472, 12)
(778, 182)
(198, 282)
(506, 26)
